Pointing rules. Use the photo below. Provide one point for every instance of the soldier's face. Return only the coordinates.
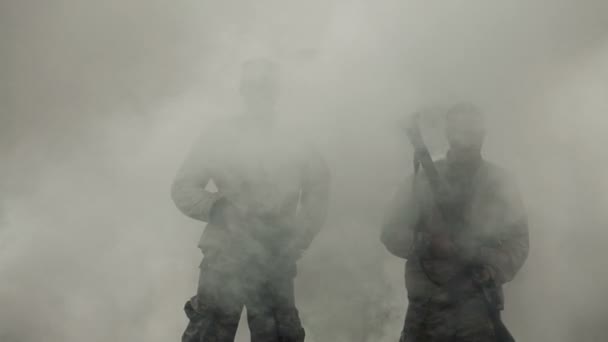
(259, 95)
(465, 131)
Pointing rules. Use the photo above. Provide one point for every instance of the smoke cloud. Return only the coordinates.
(100, 102)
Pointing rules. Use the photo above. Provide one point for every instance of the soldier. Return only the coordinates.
(271, 201)
(460, 249)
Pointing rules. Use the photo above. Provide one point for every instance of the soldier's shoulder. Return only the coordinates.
(497, 174)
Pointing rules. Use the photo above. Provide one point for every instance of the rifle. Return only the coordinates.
(494, 306)
(442, 195)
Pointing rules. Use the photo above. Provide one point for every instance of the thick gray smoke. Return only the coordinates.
(100, 101)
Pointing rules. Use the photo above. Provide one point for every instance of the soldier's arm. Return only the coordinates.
(314, 201)
(188, 189)
(507, 256)
(401, 220)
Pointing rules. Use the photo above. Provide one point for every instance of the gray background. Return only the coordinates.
(100, 100)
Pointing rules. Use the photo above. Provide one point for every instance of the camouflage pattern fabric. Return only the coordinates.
(495, 237)
(440, 322)
(215, 311)
(276, 192)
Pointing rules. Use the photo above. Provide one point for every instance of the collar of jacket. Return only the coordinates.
(463, 161)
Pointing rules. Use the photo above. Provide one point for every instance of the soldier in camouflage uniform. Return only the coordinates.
(271, 201)
(443, 304)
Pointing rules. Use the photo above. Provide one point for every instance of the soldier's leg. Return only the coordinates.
(261, 318)
(215, 311)
(272, 314)
(288, 318)
(474, 324)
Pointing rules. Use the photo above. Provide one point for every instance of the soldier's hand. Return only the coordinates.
(483, 275)
(441, 246)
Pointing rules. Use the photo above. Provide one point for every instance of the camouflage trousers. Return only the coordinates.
(215, 311)
(467, 321)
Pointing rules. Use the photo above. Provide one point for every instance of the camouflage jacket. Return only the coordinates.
(281, 187)
(495, 234)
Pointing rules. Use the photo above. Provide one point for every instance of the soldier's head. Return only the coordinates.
(259, 85)
(465, 127)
